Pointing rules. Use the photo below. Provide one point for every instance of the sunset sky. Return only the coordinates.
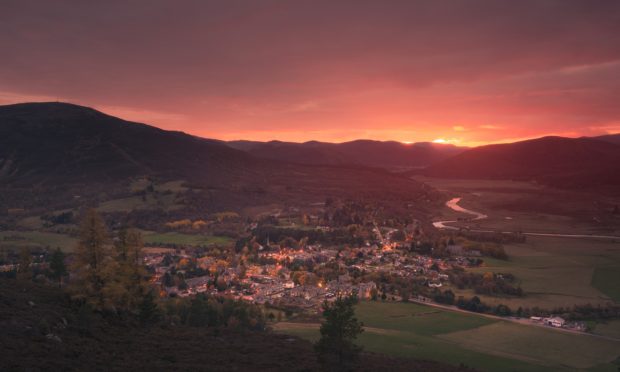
(468, 72)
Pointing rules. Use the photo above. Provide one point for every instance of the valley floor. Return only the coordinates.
(419, 331)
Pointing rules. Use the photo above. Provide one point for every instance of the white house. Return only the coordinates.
(555, 321)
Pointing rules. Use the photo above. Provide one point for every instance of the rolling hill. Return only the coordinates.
(52, 151)
(389, 154)
(554, 161)
(60, 143)
(611, 138)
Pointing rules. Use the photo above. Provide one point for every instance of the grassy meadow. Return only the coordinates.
(36, 239)
(159, 201)
(608, 329)
(152, 237)
(418, 331)
(607, 280)
(558, 272)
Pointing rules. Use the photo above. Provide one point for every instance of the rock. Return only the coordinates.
(53, 337)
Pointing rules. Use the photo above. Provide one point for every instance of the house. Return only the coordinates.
(555, 321)
(306, 292)
(201, 283)
(289, 284)
(365, 289)
(455, 250)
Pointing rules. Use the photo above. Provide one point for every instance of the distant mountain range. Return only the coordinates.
(58, 143)
(554, 161)
(389, 154)
(611, 138)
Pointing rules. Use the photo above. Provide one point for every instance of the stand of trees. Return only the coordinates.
(214, 312)
(488, 283)
(58, 269)
(495, 237)
(333, 237)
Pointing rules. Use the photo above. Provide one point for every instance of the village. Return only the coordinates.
(302, 277)
(312, 260)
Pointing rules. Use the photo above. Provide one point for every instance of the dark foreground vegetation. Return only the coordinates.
(41, 329)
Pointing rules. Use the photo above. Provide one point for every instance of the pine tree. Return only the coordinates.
(92, 261)
(24, 270)
(336, 348)
(57, 266)
(149, 311)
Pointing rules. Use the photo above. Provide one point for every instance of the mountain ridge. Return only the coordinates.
(553, 161)
(364, 152)
(75, 140)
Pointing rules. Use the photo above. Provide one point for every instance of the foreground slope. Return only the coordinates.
(555, 161)
(28, 313)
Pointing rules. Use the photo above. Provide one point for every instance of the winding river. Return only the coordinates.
(454, 205)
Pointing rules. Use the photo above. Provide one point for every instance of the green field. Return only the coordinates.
(36, 239)
(17, 239)
(609, 329)
(538, 345)
(559, 272)
(607, 280)
(184, 239)
(163, 198)
(418, 331)
(160, 201)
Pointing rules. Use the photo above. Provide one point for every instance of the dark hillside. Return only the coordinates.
(554, 161)
(62, 143)
(53, 153)
(611, 138)
(29, 313)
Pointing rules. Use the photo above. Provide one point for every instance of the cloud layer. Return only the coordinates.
(475, 71)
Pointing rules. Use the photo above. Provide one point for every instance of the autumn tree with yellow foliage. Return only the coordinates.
(128, 286)
(108, 276)
(92, 260)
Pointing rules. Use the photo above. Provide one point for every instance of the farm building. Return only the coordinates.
(555, 321)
